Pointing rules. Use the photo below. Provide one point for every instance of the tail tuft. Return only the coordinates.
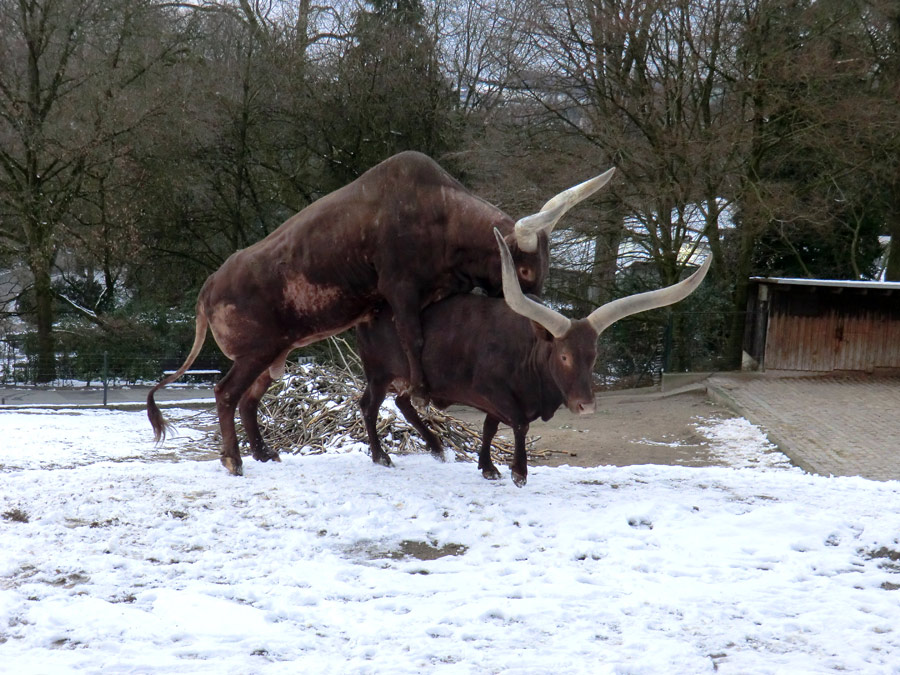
(157, 421)
(160, 426)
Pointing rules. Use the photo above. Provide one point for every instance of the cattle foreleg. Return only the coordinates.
(485, 463)
(412, 416)
(248, 407)
(369, 403)
(519, 466)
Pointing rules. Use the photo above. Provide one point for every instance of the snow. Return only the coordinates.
(120, 557)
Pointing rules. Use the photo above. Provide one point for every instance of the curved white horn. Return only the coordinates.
(603, 317)
(580, 192)
(528, 228)
(555, 323)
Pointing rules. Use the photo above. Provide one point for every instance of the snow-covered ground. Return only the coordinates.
(118, 557)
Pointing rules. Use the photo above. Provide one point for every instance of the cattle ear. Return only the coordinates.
(541, 333)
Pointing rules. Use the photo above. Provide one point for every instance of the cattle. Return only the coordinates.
(512, 358)
(404, 234)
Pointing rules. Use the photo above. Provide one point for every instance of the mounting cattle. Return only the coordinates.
(404, 233)
(513, 359)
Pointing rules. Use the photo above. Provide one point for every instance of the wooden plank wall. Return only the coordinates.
(827, 329)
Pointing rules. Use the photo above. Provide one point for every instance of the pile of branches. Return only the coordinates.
(314, 409)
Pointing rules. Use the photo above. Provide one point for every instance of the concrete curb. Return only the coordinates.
(117, 405)
(649, 393)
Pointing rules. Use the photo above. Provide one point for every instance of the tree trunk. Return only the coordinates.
(606, 254)
(741, 291)
(46, 347)
(892, 273)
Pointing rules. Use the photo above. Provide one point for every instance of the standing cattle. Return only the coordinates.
(404, 233)
(515, 360)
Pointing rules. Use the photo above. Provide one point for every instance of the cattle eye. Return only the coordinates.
(526, 273)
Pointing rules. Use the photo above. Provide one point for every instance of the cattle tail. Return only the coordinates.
(160, 426)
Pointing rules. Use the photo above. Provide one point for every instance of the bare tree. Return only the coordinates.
(70, 77)
(384, 91)
(236, 151)
(643, 83)
(478, 49)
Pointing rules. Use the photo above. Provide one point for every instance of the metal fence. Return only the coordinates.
(95, 367)
(631, 353)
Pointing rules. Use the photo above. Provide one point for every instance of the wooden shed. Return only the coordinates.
(811, 325)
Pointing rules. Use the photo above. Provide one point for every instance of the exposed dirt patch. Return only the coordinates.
(626, 429)
(889, 558)
(15, 516)
(423, 550)
(889, 561)
(409, 549)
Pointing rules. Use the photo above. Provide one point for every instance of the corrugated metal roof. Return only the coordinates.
(830, 283)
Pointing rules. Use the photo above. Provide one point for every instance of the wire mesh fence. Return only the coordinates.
(632, 353)
(86, 367)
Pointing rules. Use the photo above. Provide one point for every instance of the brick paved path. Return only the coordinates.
(842, 426)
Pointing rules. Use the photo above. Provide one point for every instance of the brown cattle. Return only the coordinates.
(515, 360)
(404, 234)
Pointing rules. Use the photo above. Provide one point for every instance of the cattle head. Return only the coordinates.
(529, 239)
(573, 342)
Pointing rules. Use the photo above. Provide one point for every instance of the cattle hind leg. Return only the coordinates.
(485, 463)
(248, 408)
(369, 404)
(412, 416)
(229, 391)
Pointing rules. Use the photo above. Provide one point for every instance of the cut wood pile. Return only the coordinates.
(314, 409)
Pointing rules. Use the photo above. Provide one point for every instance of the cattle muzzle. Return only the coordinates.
(581, 406)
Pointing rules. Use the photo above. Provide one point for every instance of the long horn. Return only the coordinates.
(557, 324)
(602, 317)
(528, 228)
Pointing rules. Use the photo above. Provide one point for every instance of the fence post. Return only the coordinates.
(105, 378)
(667, 343)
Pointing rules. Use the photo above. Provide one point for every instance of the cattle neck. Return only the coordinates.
(546, 395)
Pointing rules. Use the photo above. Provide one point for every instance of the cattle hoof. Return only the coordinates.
(384, 460)
(418, 397)
(265, 454)
(518, 479)
(235, 468)
(439, 456)
(491, 473)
